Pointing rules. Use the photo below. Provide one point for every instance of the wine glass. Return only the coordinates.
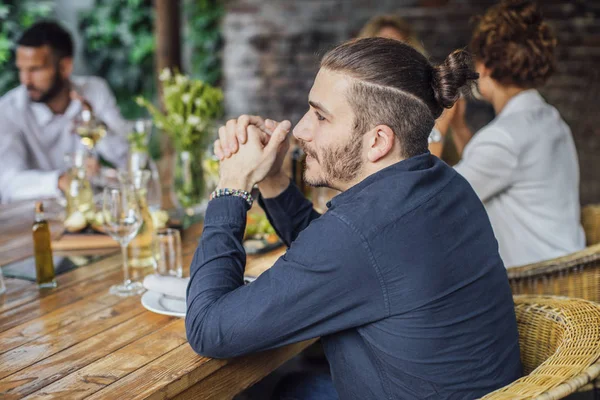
(90, 130)
(122, 220)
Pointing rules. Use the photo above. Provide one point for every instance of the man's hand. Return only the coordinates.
(64, 181)
(76, 96)
(254, 159)
(235, 133)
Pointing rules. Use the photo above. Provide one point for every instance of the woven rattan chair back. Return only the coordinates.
(560, 347)
(590, 219)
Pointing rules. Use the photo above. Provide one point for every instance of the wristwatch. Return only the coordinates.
(435, 136)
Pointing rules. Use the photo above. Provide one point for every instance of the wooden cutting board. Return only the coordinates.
(83, 241)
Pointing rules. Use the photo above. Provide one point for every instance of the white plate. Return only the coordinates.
(161, 304)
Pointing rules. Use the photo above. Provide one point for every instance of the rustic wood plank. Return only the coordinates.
(127, 327)
(65, 281)
(115, 366)
(171, 373)
(57, 319)
(37, 308)
(238, 374)
(18, 358)
(256, 265)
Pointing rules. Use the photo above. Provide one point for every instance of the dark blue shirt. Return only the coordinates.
(401, 278)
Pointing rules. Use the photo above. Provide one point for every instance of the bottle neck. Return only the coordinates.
(39, 217)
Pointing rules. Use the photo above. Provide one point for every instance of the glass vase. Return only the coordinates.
(191, 184)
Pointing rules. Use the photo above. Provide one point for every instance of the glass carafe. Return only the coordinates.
(141, 252)
(140, 160)
(79, 195)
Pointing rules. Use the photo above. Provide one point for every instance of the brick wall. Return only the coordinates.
(272, 50)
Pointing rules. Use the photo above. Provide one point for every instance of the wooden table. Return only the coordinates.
(78, 341)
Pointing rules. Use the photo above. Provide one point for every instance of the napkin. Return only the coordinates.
(168, 285)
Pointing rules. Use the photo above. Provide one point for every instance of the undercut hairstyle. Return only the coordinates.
(515, 43)
(51, 34)
(397, 86)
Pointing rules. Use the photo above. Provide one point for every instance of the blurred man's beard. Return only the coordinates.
(58, 84)
(338, 165)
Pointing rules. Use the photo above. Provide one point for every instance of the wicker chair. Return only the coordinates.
(575, 275)
(560, 347)
(590, 219)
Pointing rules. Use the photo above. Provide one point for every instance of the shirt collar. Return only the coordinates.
(43, 114)
(423, 161)
(526, 100)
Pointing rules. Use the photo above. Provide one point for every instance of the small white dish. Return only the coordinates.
(167, 305)
(162, 304)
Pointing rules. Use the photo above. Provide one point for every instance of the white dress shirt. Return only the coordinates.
(524, 167)
(34, 140)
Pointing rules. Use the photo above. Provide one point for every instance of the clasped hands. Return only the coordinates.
(251, 150)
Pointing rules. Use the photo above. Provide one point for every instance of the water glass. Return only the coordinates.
(169, 253)
(2, 286)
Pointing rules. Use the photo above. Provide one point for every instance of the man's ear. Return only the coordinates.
(380, 141)
(65, 66)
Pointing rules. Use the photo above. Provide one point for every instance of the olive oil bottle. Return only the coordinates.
(44, 264)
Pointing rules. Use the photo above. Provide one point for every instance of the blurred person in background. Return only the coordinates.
(523, 165)
(392, 27)
(37, 117)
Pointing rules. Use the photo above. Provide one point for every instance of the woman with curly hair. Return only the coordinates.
(523, 165)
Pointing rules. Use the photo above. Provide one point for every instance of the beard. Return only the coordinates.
(58, 84)
(338, 165)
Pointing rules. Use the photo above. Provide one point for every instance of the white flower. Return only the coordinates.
(181, 79)
(199, 102)
(159, 124)
(165, 75)
(193, 120)
(186, 98)
(169, 90)
(177, 119)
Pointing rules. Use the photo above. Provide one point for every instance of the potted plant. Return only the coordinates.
(192, 108)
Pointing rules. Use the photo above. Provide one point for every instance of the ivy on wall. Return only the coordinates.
(203, 35)
(15, 17)
(118, 45)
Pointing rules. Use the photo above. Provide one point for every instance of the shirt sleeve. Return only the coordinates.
(289, 213)
(325, 283)
(17, 182)
(114, 146)
(489, 163)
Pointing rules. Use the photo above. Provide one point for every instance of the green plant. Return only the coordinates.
(203, 35)
(118, 44)
(15, 17)
(191, 108)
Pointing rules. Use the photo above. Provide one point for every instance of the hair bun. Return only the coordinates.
(450, 77)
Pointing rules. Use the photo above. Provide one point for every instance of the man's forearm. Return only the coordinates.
(461, 135)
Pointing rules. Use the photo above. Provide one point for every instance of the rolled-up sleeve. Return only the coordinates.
(17, 182)
(489, 163)
(325, 283)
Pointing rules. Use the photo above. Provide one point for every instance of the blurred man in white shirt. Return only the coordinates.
(36, 117)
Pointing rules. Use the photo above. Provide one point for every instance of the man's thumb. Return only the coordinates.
(278, 136)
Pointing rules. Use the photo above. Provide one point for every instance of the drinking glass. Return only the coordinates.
(122, 220)
(2, 286)
(169, 253)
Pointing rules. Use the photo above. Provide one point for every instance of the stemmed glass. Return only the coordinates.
(122, 220)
